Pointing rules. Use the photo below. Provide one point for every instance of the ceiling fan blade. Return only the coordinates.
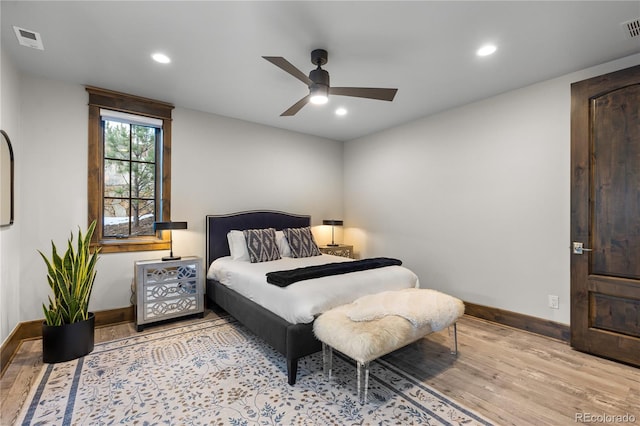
(296, 107)
(364, 92)
(285, 65)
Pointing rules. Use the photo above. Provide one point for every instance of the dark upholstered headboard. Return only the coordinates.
(218, 226)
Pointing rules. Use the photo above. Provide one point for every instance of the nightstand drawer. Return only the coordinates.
(170, 290)
(157, 274)
(339, 250)
(163, 309)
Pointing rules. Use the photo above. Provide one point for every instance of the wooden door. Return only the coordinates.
(605, 215)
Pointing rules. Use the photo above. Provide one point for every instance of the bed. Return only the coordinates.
(290, 335)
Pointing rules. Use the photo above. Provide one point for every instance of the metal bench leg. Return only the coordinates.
(363, 381)
(454, 345)
(327, 360)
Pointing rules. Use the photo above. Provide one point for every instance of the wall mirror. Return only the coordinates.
(6, 180)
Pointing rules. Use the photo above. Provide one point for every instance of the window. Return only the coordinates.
(129, 170)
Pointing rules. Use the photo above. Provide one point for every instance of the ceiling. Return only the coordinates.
(425, 49)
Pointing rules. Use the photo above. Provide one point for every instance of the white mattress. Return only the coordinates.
(302, 301)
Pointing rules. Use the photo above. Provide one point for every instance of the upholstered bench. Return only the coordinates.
(378, 324)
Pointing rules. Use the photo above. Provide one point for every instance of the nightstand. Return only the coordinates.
(167, 289)
(339, 250)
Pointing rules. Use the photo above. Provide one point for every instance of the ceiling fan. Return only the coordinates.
(318, 82)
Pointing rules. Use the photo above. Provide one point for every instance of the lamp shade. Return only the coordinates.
(166, 226)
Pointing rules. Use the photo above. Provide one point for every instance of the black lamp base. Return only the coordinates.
(332, 245)
(171, 258)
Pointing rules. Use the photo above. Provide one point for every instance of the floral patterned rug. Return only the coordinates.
(215, 372)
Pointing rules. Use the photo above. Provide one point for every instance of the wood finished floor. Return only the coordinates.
(510, 376)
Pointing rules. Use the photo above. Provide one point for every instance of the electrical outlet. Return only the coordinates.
(554, 303)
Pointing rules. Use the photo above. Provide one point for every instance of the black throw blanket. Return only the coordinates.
(284, 278)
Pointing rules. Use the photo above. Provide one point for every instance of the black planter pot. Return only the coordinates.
(69, 341)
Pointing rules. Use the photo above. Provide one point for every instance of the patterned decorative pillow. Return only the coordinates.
(301, 242)
(261, 244)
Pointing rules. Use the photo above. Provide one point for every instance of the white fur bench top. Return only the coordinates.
(377, 324)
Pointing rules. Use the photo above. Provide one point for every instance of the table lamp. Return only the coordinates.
(169, 226)
(333, 223)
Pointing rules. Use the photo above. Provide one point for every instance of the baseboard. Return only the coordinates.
(535, 325)
(33, 330)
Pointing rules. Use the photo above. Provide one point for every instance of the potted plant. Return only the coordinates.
(68, 328)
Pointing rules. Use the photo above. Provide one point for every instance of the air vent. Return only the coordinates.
(29, 38)
(631, 28)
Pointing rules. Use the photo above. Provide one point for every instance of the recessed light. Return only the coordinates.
(161, 58)
(486, 50)
(341, 111)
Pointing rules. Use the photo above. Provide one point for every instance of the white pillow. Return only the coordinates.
(283, 244)
(238, 246)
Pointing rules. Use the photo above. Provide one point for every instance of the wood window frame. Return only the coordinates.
(116, 101)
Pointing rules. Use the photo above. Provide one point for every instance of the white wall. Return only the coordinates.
(475, 200)
(10, 235)
(219, 165)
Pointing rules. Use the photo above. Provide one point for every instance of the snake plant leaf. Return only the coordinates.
(71, 278)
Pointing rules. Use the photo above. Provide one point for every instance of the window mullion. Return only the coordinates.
(158, 172)
(130, 178)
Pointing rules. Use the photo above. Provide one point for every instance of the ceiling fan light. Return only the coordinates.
(319, 94)
(319, 99)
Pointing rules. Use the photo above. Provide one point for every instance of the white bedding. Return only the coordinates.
(301, 301)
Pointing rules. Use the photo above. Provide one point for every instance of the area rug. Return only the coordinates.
(216, 372)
